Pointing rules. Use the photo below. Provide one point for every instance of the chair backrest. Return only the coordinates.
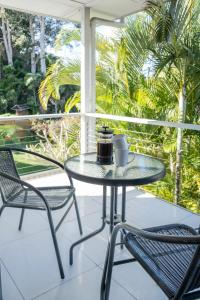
(8, 187)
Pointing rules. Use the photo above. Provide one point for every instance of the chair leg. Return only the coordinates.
(103, 281)
(192, 295)
(76, 208)
(1, 209)
(64, 216)
(53, 233)
(108, 266)
(22, 213)
(21, 219)
(78, 215)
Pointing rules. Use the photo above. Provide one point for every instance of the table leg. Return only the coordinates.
(112, 208)
(123, 204)
(116, 195)
(123, 211)
(94, 232)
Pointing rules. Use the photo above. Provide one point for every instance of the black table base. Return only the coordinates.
(111, 220)
(141, 169)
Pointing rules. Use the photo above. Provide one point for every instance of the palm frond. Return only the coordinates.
(72, 102)
(57, 75)
(66, 36)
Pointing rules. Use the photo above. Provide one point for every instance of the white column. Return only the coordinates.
(93, 67)
(92, 104)
(85, 76)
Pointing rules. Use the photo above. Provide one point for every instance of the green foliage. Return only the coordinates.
(58, 139)
(67, 37)
(32, 82)
(17, 84)
(15, 88)
(58, 75)
(140, 73)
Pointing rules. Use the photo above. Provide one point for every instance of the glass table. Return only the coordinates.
(141, 169)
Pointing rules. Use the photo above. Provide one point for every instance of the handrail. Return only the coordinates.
(39, 116)
(144, 121)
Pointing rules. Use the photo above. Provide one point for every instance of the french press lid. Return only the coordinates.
(105, 130)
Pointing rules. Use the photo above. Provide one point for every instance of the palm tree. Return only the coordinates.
(57, 75)
(153, 64)
(176, 52)
(169, 41)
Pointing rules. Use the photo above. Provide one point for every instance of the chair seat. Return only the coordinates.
(56, 197)
(166, 263)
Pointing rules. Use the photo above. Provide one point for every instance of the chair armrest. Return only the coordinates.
(36, 154)
(173, 239)
(27, 185)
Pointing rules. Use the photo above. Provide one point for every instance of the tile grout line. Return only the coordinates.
(12, 279)
(28, 235)
(72, 220)
(70, 279)
(62, 282)
(119, 284)
(65, 281)
(96, 267)
(24, 237)
(56, 285)
(125, 289)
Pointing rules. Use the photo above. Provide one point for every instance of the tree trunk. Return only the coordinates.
(171, 164)
(172, 8)
(179, 151)
(42, 45)
(1, 59)
(5, 28)
(172, 11)
(9, 43)
(32, 34)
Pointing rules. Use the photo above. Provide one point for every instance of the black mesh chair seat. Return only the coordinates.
(57, 197)
(166, 263)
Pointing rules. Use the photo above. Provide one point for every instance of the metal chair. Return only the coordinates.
(20, 194)
(170, 254)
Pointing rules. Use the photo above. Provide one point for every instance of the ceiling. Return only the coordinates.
(70, 9)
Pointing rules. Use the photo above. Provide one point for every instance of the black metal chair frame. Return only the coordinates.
(38, 191)
(182, 293)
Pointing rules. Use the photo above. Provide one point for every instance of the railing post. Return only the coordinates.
(92, 104)
(85, 76)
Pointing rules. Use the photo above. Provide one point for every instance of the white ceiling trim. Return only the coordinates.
(71, 9)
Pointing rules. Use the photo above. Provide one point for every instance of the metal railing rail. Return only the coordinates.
(39, 117)
(105, 116)
(144, 121)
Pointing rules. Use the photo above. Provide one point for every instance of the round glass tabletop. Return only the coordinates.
(141, 169)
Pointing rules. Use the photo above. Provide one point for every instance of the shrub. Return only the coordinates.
(58, 139)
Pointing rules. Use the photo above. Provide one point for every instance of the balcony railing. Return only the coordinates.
(54, 135)
(58, 135)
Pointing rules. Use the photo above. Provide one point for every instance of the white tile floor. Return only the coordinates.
(28, 264)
